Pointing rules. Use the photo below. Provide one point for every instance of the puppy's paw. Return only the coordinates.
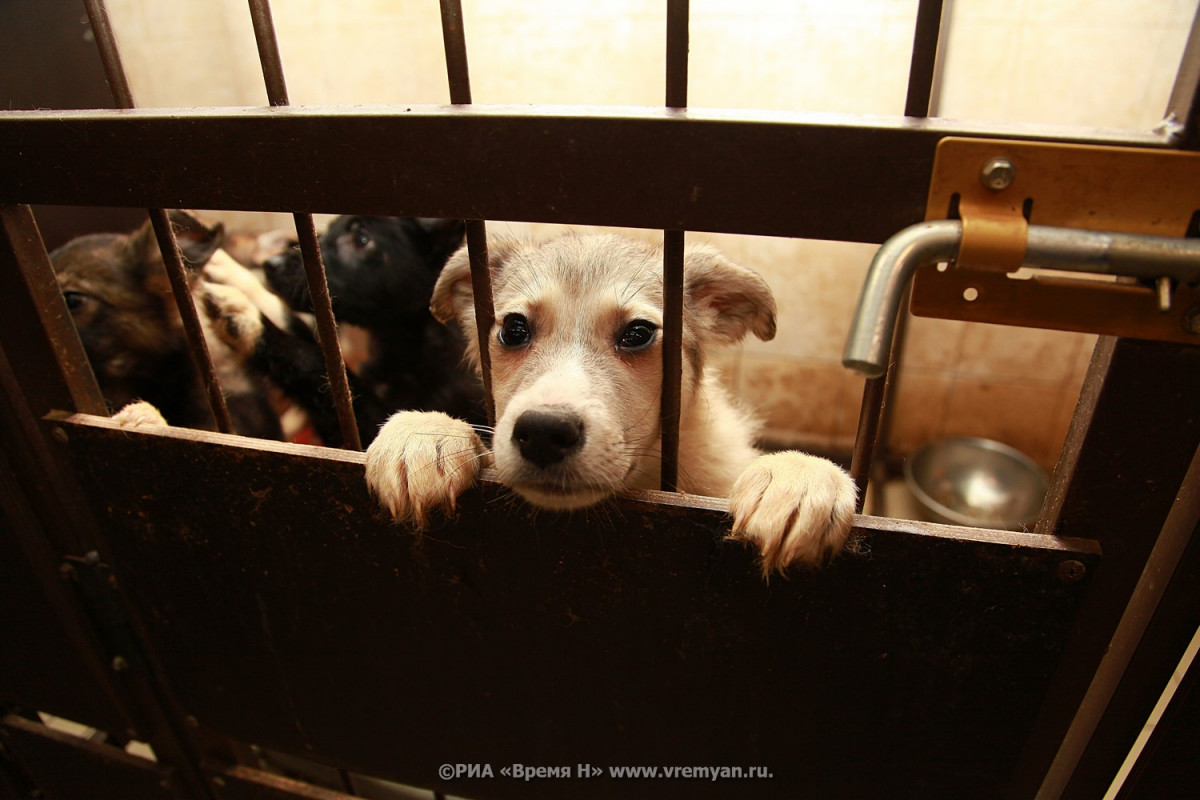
(794, 507)
(139, 414)
(420, 462)
(235, 320)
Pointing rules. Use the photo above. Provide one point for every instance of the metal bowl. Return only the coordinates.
(977, 482)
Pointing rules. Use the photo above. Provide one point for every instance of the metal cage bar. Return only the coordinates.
(176, 273)
(459, 77)
(310, 247)
(671, 398)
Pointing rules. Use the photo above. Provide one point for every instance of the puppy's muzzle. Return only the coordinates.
(548, 437)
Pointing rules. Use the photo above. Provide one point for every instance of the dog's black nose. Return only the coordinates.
(547, 437)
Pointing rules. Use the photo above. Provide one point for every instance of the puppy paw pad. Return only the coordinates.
(139, 414)
(796, 508)
(421, 462)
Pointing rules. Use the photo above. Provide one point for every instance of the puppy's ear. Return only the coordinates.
(197, 240)
(727, 300)
(453, 297)
(445, 236)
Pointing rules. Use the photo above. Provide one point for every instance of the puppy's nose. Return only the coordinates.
(547, 437)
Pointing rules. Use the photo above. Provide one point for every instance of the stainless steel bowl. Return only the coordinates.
(977, 482)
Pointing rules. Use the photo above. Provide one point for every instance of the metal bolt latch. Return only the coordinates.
(998, 174)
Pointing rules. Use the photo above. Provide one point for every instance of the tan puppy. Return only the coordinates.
(576, 375)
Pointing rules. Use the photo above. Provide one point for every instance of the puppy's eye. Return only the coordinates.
(75, 300)
(514, 331)
(638, 335)
(361, 238)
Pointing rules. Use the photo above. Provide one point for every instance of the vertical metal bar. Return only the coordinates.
(31, 277)
(310, 247)
(459, 76)
(268, 52)
(119, 85)
(455, 42)
(327, 330)
(673, 257)
(672, 356)
(181, 288)
(922, 74)
(677, 53)
(878, 406)
(110, 57)
(1184, 105)
(868, 432)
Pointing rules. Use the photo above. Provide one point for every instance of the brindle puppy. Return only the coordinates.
(117, 290)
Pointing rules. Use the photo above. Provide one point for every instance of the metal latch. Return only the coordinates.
(998, 189)
(1128, 218)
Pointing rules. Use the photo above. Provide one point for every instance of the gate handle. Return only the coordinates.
(1069, 249)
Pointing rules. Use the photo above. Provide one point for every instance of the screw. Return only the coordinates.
(67, 572)
(119, 664)
(59, 434)
(1071, 571)
(998, 174)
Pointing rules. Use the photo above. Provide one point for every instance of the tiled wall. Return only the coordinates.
(1083, 62)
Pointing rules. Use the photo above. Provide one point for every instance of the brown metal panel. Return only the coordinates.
(291, 614)
(246, 783)
(1133, 437)
(66, 767)
(817, 176)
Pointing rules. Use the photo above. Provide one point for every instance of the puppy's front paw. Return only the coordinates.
(236, 321)
(794, 507)
(139, 414)
(420, 462)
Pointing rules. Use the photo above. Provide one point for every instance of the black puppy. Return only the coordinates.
(381, 272)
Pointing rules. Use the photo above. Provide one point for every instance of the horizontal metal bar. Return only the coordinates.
(1072, 250)
(814, 176)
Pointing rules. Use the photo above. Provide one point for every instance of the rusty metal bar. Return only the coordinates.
(327, 329)
(310, 247)
(1183, 108)
(672, 356)
(268, 52)
(181, 288)
(673, 252)
(455, 42)
(110, 56)
(34, 275)
(922, 73)
(118, 83)
(459, 77)
(722, 171)
(677, 53)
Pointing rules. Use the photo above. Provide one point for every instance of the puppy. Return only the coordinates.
(381, 272)
(576, 355)
(119, 296)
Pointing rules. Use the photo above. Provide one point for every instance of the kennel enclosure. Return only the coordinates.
(208, 593)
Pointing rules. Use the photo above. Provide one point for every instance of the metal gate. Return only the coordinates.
(211, 594)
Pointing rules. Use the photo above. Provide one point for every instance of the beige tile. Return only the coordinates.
(933, 344)
(1024, 416)
(919, 412)
(1001, 352)
(792, 398)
